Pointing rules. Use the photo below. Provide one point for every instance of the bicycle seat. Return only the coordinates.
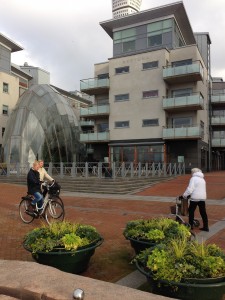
(28, 197)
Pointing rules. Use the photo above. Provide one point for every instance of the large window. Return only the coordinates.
(182, 63)
(122, 124)
(182, 122)
(5, 109)
(122, 97)
(157, 30)
(150, 94)
(182, 92)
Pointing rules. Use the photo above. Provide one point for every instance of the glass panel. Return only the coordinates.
(182, 122)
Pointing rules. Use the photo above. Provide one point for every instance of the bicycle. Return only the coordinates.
(53, 191)
(52, 210)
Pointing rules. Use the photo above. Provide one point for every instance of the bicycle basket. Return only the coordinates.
(54, 189)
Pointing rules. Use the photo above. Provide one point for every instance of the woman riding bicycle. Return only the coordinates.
(34, 185)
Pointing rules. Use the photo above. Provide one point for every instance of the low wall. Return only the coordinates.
(32, 281)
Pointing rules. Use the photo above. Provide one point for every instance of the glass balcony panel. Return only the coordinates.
(218, 142)
(192, 100)
(94, 110)
(194, 68)
(87, 123)
(218, 120)
(94, 136)
(91, 83)
(183, 132)
(218, 99)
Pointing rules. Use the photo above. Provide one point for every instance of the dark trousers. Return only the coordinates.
(202, 210)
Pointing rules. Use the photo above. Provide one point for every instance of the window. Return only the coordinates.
(5, 87)
(182, 63)
(182, 92)
(122, 124)
(150, 65)
(150, 122)
(182, 122)
(155, 40)
(150, 94)
(103, 76)
(128, 46)
(3, 130)
(103, 127)
(122, 97)
(5, 109)
(122, 70)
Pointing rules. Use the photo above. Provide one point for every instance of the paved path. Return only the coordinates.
(109, 214)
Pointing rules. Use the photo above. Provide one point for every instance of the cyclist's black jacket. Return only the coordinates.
(33, 182)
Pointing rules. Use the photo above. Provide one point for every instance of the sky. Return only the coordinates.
(64, 37)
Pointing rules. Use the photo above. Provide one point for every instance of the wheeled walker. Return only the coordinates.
(181, 209)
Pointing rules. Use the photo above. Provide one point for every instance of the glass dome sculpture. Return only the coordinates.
(43, 125)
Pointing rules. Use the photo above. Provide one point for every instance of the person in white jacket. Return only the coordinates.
(197, 192)
(43, 173)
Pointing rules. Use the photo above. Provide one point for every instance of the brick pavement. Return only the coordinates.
(111, 260)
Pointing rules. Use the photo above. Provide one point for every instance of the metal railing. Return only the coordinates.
(99, 170)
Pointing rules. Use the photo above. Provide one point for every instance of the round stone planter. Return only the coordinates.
(74, 262)
(197, 289)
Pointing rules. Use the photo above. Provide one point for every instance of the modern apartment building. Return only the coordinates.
(13, 81)
(218, 124)
(151, 99)
(121, 8)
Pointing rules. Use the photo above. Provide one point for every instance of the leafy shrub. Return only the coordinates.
(60, 235)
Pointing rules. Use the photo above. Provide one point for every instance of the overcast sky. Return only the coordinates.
(65, 38)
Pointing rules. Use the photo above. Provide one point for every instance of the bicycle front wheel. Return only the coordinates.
(26, 214)
(54, 212)
(58, 199)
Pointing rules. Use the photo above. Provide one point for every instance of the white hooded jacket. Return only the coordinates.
(196, 188)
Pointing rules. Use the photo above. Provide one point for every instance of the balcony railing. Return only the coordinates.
(217, 99)
(218, 121)
(194, 101)
(186, 73)
(95, 110)
(94, 137)
(94, 86)
(87, 123)
(218, 142)
(192, 132)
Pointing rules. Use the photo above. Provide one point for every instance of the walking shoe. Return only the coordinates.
(204, 229)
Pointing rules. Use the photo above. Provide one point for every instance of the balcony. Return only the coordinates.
(192, 102)
(94, 137)
(95, 110)
(218, 142)
(218, 121)
(183, 74)
(192, 132)
(218, 99)
(87, 123)
(94, 86)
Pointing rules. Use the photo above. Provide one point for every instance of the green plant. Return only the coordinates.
(181, 260)
(156, 230)
(60, 235)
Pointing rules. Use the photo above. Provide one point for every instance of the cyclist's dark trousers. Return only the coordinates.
(202, 210)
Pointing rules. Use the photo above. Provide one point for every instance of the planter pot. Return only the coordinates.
(74, 262)
(140, 245)
(197, 289)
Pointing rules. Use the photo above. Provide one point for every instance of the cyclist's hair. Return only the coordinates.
(36, 162)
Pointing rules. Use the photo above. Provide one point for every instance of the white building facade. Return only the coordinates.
(121, 8)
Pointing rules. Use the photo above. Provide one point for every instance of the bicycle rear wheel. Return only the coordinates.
(26, 214)
(54, 212)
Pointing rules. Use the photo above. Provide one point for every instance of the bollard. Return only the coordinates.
(78, 294)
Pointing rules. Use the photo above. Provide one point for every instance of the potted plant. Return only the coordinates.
(143, 234)
(184, 269)
(64, 245)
